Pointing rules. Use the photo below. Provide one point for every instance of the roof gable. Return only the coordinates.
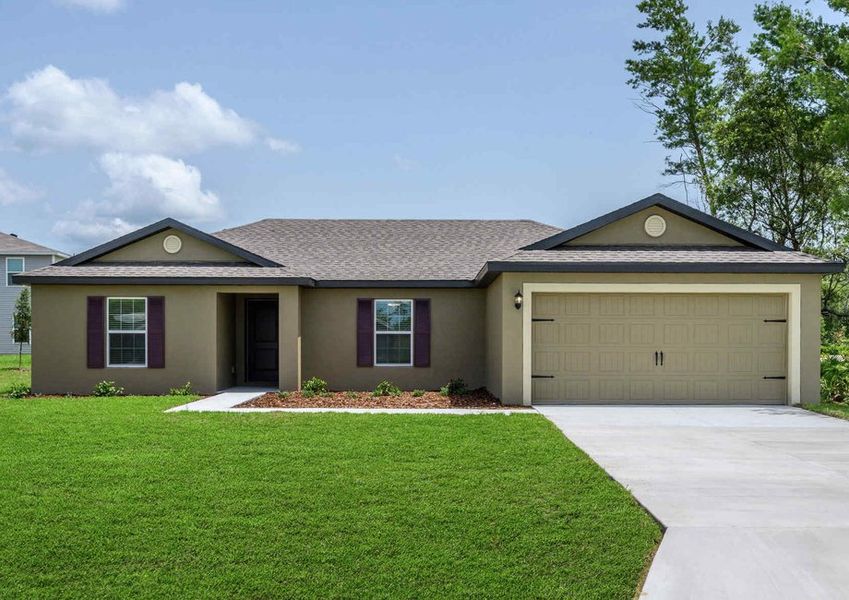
(12, 244)
(687, 227)
(145, 245)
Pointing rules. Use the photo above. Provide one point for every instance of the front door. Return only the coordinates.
(262, 351)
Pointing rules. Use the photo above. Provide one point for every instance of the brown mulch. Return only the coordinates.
(473, 399)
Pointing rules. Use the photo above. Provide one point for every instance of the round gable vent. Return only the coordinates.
(655, 226)
(172, 244)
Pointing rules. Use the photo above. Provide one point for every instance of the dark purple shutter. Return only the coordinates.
(365, 332)
(95, 333)
(156, 332)
(421, 333)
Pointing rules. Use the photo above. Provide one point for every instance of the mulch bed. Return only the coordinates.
(473, 399)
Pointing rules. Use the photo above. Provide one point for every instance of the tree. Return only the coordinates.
(679, 80)
(21, 323)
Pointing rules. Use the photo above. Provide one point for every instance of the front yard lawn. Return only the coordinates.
(9, 372)
(110, 497)
(832, 409)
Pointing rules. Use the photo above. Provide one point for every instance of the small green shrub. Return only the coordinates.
(107, 388)
(185, 390)
(283, 395)
(387, 388)
(352, 395)
(315, 385)
(308, 394)
(18, 390)
(418, 393)
(834, 373)
(455, 387)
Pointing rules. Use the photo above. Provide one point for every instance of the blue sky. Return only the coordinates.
(117, 113)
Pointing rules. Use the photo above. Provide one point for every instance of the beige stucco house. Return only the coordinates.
(653, 303)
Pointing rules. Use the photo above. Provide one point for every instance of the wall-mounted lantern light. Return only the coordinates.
(517, 300)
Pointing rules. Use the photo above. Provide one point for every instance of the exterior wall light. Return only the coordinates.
(517, 300)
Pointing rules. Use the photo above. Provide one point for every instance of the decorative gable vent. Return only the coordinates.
(172, 244)
(655, 226)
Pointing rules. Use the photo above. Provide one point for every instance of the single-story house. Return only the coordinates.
(18, 255)
(653, 303)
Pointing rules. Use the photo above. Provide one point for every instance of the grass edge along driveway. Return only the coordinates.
(112, 497)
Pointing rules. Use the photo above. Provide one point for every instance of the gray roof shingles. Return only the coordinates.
(12, 244)
(425, 251)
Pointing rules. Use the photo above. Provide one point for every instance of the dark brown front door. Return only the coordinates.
(262, 352)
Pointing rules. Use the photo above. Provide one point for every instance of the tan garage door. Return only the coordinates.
(659, 348)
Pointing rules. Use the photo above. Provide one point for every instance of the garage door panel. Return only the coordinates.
(600, 348)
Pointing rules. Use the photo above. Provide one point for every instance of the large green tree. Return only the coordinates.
(764, 133)
(678, 75)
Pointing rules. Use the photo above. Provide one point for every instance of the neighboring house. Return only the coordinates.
(17, 256)
(652, 303)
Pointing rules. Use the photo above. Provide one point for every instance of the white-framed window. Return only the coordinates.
(393, 333)
(126, 332)
(14, 265)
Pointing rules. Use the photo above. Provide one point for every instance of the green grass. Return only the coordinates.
(832, 409)
(110, 497)
(9, 372)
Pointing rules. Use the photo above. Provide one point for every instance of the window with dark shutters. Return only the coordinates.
(156, 332)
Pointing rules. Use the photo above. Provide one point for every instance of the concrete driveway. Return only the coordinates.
(755, 499)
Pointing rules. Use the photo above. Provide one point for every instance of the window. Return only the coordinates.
(393, 332)
(13, 267)
(126, 332)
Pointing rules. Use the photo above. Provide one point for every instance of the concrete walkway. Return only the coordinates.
(755, 499)
(223, 401)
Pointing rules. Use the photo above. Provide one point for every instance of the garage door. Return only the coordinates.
(659, 348)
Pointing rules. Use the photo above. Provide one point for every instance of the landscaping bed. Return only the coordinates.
(480, 398)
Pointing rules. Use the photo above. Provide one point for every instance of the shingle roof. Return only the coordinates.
(383, 250)
(12, 244)
(662, 254)
(414, 253)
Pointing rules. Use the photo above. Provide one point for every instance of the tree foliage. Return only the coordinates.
(763, 133)
(21, 322)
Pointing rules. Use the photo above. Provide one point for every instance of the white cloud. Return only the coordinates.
(404, 164)
(90, 230)
(12, 192)
(142, 189)
(152, 186)
(50, 110)
(282, 146)
(100, 6)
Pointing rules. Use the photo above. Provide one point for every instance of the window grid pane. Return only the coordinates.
(394, 315)
(126, 323)
(13, 267)
(126, 348)
(393, 349)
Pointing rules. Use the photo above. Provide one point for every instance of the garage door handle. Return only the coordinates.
(542, 320)
(656, 356)
(542, 376)
(775, 320)
(661, 358)
(775, 377)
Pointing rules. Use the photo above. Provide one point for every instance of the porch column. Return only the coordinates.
(289, 307)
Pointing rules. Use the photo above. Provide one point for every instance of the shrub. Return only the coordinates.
(308, 394)
(315, 385)
(834, 373)
(352, 394)
(455, 387)
(18, 390)
(107, 388)
(283, 395)
(387, 388)
(185, 390)
(418, 393)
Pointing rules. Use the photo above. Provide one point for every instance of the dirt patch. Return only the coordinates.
(474, 399)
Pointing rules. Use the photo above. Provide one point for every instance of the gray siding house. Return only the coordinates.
(16, 256)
